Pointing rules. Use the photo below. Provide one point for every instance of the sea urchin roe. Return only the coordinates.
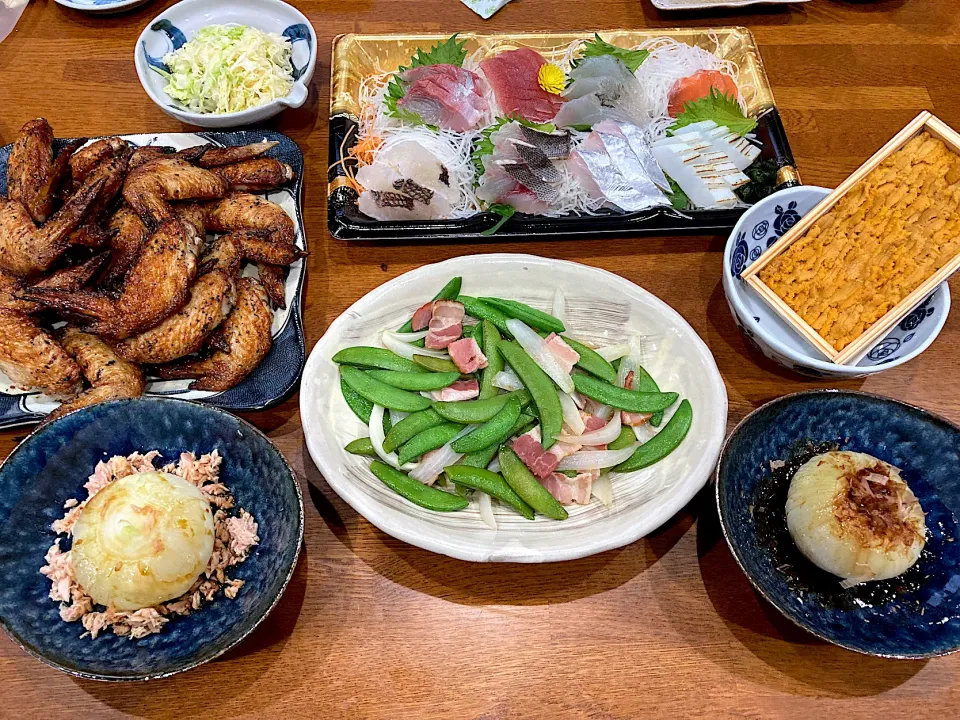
(876, 509)
(892, 231)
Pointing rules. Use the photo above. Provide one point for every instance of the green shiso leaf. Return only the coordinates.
(504, 211)
(723, 109)
(598, 46)
(677, 197)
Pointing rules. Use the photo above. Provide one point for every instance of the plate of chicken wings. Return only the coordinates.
(162, 264)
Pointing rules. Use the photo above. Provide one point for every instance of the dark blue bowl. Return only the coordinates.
(916, 615)
(51, 466)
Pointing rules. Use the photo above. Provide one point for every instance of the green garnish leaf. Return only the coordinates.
(677, 197)
(504, 211)
(598, 46)
(723, 109)
(448, 52)
(763, 180)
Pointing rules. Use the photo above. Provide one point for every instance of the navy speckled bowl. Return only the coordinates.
(916, 615)
(51, 466)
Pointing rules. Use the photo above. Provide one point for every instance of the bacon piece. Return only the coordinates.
(446, 325)
(565, 355)
(629, 418)
(540, 462)
(460, 390)
(421, 318)
(466, 355)
(571, 491)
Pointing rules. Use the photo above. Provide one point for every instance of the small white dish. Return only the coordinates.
(102, 7)
(711, 4)
(601, 307)
(175, 26)
(757, 230)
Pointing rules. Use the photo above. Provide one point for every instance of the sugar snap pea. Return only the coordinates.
(524, 423)
(629, 400)
(481, 311)
(447, 292)
(355, 401)
(382, 394)
(429, 439)
(415, 491)
(432, 364)
(663, 443)
(471, 331)
(646, 383)
(523, 312)
(415, 381)
(477, 411)
(361, 446)
(372, 357)
(493, 432)
(491, 338)
(528, 487)
(413, 424)
(625, 439)
(491, 483)
(541, 388)
(592, 362)
(480, 458)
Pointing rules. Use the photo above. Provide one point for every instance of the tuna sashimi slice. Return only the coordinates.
(444, 95)
(513, 76)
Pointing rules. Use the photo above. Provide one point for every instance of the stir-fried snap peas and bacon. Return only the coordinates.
(490, 397)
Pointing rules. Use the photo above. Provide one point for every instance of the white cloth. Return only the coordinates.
(485, 8)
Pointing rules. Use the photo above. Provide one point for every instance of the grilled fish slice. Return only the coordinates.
(247, 334)
(110, 377)
(33, 360)
(212, 298)
(258, 175)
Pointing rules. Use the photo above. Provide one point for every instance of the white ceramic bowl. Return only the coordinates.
(102, 7)
(172, 28)
(601, 307)
(759, 227)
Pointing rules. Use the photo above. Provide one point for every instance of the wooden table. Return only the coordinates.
(373, 628)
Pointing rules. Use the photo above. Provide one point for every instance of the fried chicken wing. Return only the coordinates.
(223, 255)
(195, 214)
(33, 360)
(33, 176)
(149, 188)
(256, 246)
(128, 235)
(212, 298)
(144, 154)
(110, 377)
(208, 156)
(84, 160)
(89, 235)
(70, 278)
(259, 175)
(28, 250)
(247, 333)
(155, 287)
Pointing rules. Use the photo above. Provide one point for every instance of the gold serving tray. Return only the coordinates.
(356, 57)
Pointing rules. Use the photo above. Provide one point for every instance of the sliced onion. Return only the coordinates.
(403, 349)
(537, 349)
(396, 416)
(427, 471)
(410, 336)
(579, 399)
(494, 465)
(486, 510)
(507, 380)
(559, 306)
(602, 490)
(571, 414)
(596, 459)
(604, 436)
(377, 436)
(613, 352)
(604, 412)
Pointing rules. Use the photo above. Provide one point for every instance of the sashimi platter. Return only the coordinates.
(544, 134)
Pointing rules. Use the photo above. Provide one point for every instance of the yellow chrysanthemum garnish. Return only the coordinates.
(552, 79)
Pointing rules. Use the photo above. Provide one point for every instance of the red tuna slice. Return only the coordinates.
(513, 75)
(466, 355)
(444, 95)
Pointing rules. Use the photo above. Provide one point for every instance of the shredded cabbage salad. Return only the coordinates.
(229, 68)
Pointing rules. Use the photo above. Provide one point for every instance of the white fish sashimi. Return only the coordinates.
(406, 182)
(640, 145)
(613, 86)
(694, 176)
(616, 145)
(413, 161)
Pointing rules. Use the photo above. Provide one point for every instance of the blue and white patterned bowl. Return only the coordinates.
(758, 229)
(51, 466)
(175, 26)
(911, 616)
(102, 7)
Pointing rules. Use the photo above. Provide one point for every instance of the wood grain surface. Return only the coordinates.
(668, 626)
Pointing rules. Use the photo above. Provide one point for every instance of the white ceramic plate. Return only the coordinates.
(709, 4)
(102, 7)
(602, 308)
